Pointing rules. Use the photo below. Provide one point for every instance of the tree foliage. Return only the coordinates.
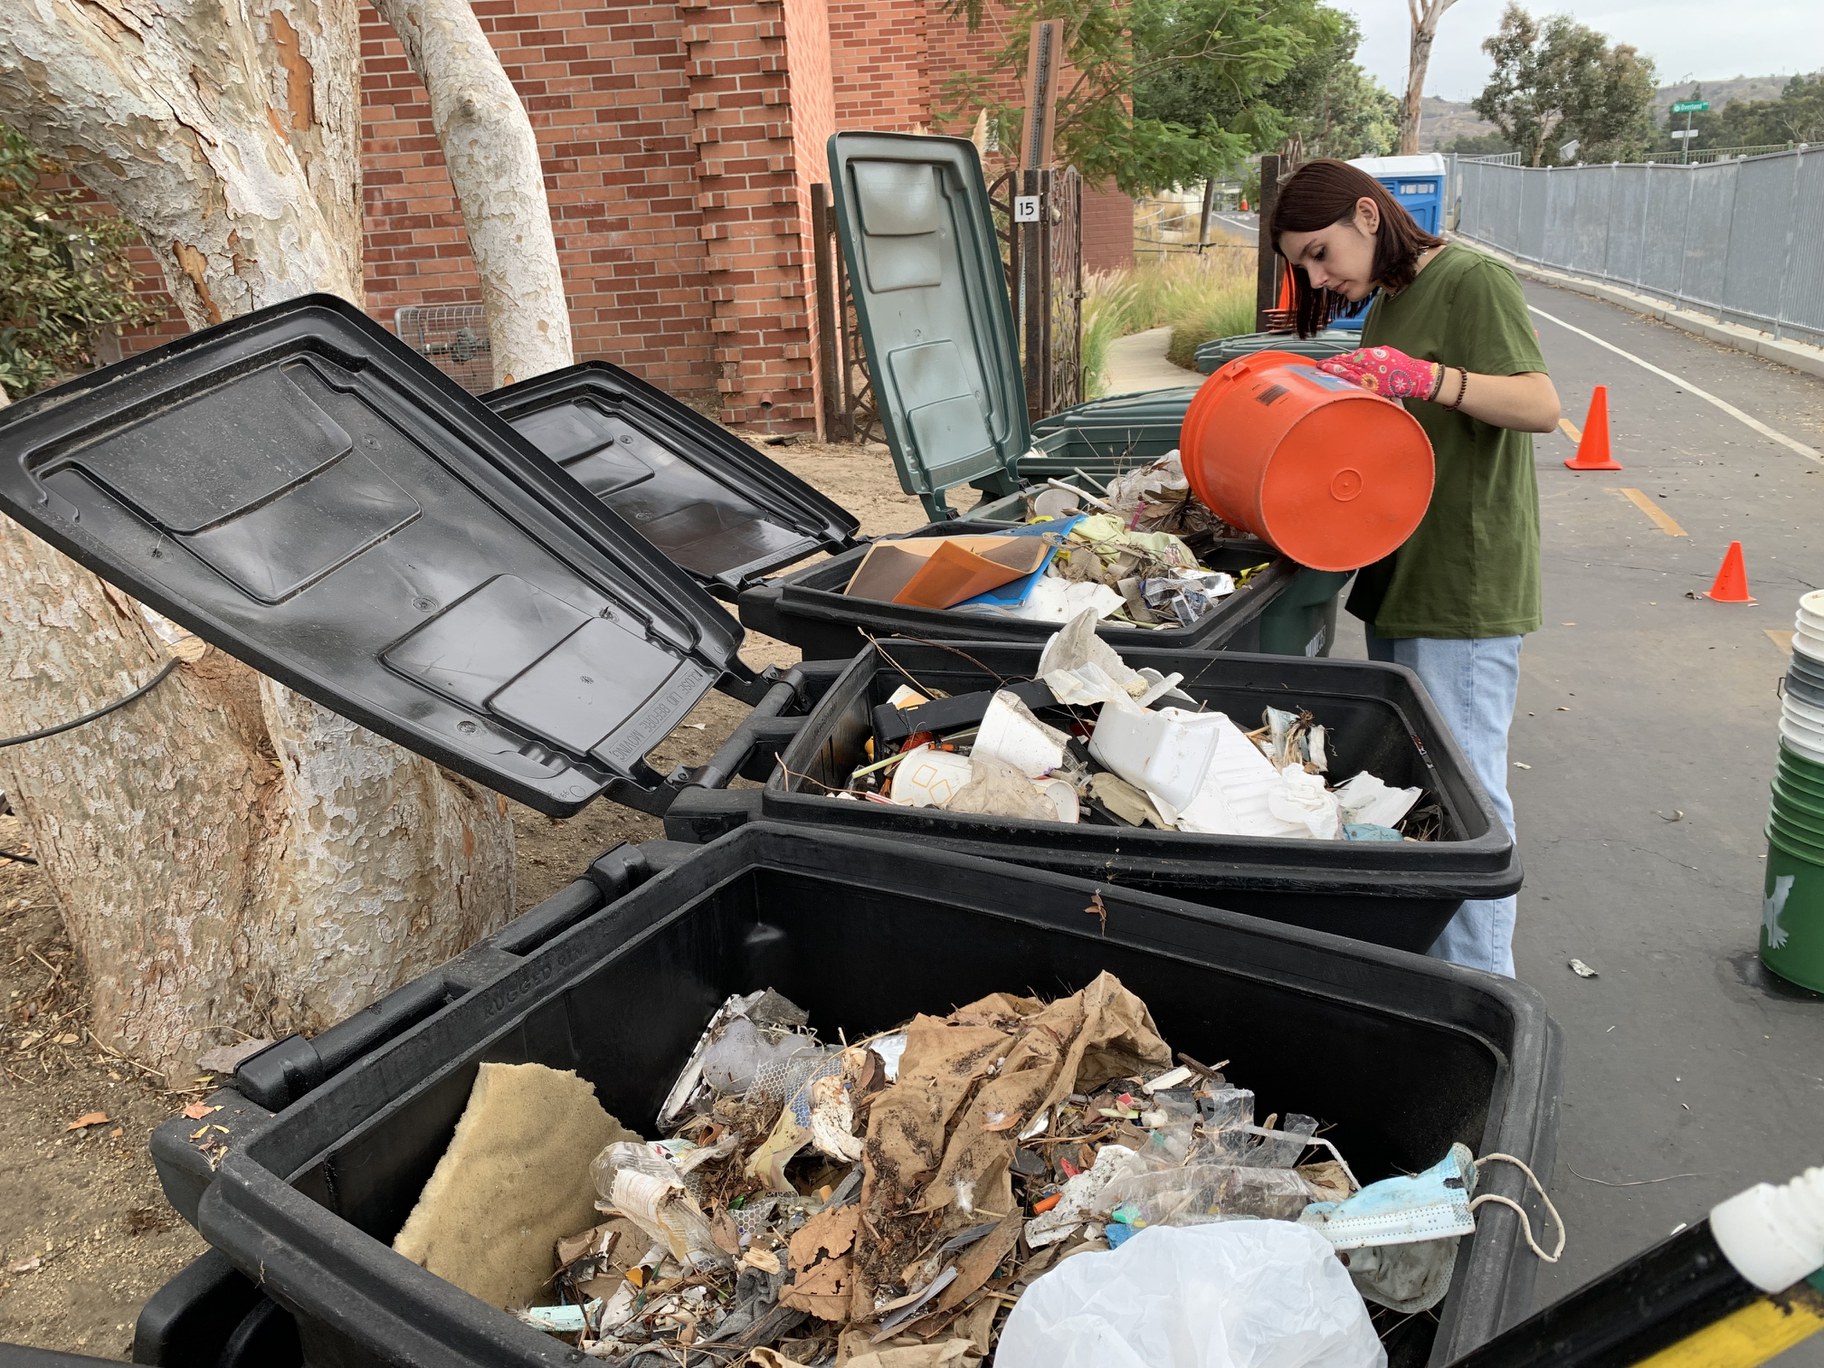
(1479, 145)
(1158, 93)
(1556, 80)
(64, 273)
(1353, 115)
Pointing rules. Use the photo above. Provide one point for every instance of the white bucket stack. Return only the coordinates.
(1802, 719)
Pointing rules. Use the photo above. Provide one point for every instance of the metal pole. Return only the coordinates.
(1266, 282)
(1684, 153)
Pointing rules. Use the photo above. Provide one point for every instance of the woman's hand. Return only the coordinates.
(1386, 371)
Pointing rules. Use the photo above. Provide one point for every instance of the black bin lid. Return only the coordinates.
(299, 488)
(708, 500)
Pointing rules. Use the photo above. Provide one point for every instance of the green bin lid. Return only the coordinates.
(924, 263)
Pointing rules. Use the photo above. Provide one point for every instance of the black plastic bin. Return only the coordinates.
(212, 1315)
(208, 1316)
(1379, 717)
(615, 976)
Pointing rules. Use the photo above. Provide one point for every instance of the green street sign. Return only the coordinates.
(1690, 106)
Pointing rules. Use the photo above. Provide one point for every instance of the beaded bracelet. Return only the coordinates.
(1462, 389)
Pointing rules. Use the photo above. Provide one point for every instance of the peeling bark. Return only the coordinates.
(492, 156)
(230, 858)
(1425, 15)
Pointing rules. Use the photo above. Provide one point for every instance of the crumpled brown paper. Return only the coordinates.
(941, 1138)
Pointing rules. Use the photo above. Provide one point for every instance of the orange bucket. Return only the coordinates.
(1318, 468)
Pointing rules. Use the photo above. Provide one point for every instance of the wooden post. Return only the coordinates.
(1044, 70)
(1266, 286)
(833, 416)
(1032, 297)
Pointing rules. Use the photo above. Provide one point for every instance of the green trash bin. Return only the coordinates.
(944, 359)
(1212, 356)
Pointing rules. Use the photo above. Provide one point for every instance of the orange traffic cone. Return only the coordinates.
(1593, 450)
(1732, 580)
(1244, 207)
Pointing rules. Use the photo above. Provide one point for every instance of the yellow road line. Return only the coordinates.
(1653, 511)
(1781, 639)
(1569, 429)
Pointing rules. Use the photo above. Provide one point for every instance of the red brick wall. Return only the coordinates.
(606, 89)
(882, 74)
(679, 142)
(812, 100)
(740, 59)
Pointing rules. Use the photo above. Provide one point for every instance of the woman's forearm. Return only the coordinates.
(1525, 403)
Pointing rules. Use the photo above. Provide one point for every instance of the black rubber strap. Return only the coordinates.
(103, 711)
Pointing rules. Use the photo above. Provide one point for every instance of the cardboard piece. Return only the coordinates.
(940, 572)
(507, 1188)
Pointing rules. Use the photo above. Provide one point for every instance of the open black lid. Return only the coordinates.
(704, 497)
(299, 488)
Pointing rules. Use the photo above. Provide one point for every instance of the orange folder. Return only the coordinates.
(937, 572)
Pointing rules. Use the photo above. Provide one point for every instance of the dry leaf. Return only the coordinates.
(1000, 1121)
(823, 1269)
(196, 1111)
(763, 1259)
(88, 1119)
(116, 1133)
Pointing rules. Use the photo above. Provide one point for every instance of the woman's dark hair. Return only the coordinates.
(1325, 192)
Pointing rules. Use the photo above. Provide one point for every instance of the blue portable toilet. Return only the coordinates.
(1417, 185)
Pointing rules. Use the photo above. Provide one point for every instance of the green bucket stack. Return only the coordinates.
(1792, 906)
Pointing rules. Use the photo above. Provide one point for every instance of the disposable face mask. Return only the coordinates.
(1402, 1232)
(1433, 1205)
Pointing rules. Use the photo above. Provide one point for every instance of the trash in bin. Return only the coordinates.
(1127, 763)
(910, 1186)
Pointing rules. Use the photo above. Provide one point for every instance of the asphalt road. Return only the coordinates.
(1643, 749)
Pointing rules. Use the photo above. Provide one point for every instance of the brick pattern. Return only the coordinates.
(881, 78)
(738, 63)
(679, 143)
(607, 91)
(1108, 230)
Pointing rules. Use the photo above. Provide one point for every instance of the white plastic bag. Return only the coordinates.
(1237, 1294)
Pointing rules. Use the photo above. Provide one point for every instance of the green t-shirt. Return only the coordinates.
(1472, 568)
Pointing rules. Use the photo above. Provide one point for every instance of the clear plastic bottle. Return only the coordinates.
(639, 1181)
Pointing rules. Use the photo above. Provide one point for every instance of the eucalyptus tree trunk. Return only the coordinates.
(1425, 15)
(230, 858)
(493, 160)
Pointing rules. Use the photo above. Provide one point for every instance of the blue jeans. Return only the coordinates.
(1474, 684)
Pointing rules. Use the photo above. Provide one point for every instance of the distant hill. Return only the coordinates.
(1442, 121)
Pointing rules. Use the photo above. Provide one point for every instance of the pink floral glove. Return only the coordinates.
(1386, 371)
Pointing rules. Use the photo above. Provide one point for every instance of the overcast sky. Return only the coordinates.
(1701, 39)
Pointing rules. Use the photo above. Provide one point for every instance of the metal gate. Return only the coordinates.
(1043, 257)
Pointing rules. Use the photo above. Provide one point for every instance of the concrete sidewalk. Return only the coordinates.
(1137, 362)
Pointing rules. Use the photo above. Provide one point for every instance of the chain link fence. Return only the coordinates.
(1737, 240)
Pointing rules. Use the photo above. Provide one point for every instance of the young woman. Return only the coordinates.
(1447, 334)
